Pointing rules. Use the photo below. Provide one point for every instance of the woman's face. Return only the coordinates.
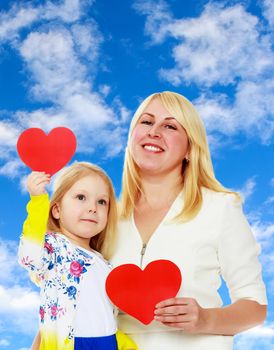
(158, 142)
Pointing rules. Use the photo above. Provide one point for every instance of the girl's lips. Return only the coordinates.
(90, 220)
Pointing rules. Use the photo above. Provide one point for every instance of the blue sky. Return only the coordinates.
(87, 64)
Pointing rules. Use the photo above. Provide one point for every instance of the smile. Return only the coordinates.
(90, 220)
(152, 148)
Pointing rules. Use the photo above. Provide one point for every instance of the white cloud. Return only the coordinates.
(262, 230)
(22, 16)
(158, 16)
(19, 307)
(61, 58)
(270, 200)
(104, 90)
(262, 336)
(225, 45)
(8, 133)
(87, 39)
(10, 271)
(11, 169)
(68, 11)
(217, 113)
(18, 300)
(61, 78)
(218, 47)
(222, 44)
(16, 19)
(268, 11)
(248, 189)
(52, 61)
(4, 342)
(254, 107)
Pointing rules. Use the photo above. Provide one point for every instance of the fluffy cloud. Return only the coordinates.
(4, 342)
(60, 76)
(263, 335)
(224, 46)
(248, 188)
(251, 111)
(60, 54)
(18, 300)
(224, 43)
(268, 10)
(11, 168)
(158, 18)
(22, 16)
(16, 19)
(19, 307)
(218, 47)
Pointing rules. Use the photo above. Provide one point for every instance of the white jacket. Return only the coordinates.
(217, 242)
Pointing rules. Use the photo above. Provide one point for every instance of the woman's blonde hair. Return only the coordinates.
(104, 241)
(196, 173)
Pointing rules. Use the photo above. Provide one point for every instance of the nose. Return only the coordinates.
(154, 131)
(92, 208)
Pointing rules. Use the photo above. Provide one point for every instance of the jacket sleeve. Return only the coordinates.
(32, 254)
(238, 254)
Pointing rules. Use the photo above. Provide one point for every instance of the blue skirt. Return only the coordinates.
(96, 343)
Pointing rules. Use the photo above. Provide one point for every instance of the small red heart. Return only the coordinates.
(48, 153)
(137, 291)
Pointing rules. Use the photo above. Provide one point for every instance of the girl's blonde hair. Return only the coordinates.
(104, 241)
(196, 173)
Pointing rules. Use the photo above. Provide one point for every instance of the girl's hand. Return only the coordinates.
(36, 183)
(182, 313)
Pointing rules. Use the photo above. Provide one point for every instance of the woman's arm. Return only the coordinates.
(188, 315)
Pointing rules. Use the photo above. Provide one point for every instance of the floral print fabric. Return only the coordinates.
(59, 276)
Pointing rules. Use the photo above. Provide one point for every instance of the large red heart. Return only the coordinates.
(48, 153)
(137, 291)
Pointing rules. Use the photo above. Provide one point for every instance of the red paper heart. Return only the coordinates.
(48, 153)
(137, 291)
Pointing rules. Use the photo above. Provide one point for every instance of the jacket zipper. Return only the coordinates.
(143, 250)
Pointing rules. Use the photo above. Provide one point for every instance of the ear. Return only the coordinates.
(186, 157)
(55, 210)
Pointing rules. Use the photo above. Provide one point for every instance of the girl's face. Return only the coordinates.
(158, 142)
(83, 211)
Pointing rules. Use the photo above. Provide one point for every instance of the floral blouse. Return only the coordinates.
(57, 266)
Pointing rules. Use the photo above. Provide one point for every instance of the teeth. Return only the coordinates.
(152, 148)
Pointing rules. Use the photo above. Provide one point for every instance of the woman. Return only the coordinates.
(172, 207)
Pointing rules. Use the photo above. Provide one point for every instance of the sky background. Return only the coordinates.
(87, 65)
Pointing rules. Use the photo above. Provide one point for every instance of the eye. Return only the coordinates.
(170, 126)
(146, 122)
(102, 202)
(81, 197)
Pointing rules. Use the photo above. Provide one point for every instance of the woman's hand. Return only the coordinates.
(36, 183)
(188, 315)
(183, 313)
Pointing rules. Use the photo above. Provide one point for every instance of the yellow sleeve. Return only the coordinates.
(35, 226)
(125, 342)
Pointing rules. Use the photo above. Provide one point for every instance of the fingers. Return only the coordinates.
(172, 310)
(174, 318)
(183, 313)
(36, 183)
(174, 301)
(175, 314)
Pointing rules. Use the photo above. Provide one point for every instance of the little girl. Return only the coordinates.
(80, 221)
